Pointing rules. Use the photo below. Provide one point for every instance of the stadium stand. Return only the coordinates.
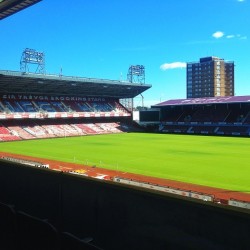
(212, 116)
(91, 107)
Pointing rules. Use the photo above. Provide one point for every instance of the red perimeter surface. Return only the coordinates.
(219, 194)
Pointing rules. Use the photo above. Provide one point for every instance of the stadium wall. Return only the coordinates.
(121, 217)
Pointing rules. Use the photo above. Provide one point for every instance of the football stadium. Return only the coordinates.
(80, 170)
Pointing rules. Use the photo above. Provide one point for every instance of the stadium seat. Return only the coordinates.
(8, 227)
(69, 241)
(36, 234)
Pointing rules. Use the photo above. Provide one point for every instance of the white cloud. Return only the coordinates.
(238, 36)
(174, 65)
(241, 0)
(218, 34)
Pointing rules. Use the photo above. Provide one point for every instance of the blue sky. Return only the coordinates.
(102, 38)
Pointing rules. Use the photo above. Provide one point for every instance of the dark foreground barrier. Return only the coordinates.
(116, 216)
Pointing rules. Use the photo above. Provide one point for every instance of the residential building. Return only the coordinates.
(211, 76)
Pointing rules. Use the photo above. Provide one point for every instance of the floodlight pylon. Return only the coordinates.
(136, 74)
(31, 56)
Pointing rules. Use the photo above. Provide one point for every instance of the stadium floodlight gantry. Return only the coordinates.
(32, 57)
(136, 74)
(10, 7)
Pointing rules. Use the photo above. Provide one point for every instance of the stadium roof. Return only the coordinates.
(205, 100)
(10, 7)
(14, 82)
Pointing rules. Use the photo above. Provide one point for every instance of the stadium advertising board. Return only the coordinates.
(51, 98)
(240, 204)
(191, 194)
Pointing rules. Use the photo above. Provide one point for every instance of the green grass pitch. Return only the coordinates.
(222, 162)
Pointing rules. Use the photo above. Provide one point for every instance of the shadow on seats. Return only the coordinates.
(36, 234)
(69, 241)
(8, 227)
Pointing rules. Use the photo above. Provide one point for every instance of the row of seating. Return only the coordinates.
(6, 135)
(31, 130)
(206, 129)
(22, 231)
(27, 106)
(207, 114)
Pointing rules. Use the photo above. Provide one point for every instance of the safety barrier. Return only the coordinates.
(186, 193)
(25, 162)
(240, 204)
